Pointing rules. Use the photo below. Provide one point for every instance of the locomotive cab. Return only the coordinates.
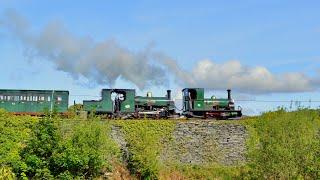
(112, 102)
(193, 99)
(122, 100)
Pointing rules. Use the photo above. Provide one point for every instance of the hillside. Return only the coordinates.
(274, 145)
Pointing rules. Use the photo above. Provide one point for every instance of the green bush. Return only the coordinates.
(84, 151)
(145, 140)
(6, 173)
(74, 110)
(213, 171)
(37, 154)
(285, 145)
(14, 132)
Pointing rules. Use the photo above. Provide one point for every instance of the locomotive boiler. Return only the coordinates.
(160, 107)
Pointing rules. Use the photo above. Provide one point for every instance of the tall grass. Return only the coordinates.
(284, 145)
(52, 148)
(14, 133)
(145, 140)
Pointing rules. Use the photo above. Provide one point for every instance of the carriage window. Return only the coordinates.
(49, 98)
(35, 98)
(41, 98)
(1, 98)
(59, 98)
(16, 98)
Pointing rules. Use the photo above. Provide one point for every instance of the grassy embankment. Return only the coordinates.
(280, 145)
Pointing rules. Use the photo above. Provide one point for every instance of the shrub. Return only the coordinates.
(6, 173)
(84, 152)
(285, 145)
(145, 141)
(87, 151)
(14, 132)
(38, 153)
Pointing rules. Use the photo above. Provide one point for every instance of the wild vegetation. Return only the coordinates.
(145, 140)
(51, 148)
(281, 145)
(285, 145)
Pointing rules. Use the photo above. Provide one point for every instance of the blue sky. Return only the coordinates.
(280, 36)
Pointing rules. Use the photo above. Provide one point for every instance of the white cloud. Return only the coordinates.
(234, 75)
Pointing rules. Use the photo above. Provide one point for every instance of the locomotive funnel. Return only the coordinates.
(229, 93)
(169, 94)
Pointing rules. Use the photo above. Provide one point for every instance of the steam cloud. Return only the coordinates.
(104, 62)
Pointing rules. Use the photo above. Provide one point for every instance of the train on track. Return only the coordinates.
(123, 103)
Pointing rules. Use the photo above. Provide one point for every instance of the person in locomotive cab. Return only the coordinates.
(117, 103)
(191, 100)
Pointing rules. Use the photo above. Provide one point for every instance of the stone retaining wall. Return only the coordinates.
(205, 142)
(199, 143)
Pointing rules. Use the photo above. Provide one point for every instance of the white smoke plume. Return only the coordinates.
(104, 62)
(99, 62)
